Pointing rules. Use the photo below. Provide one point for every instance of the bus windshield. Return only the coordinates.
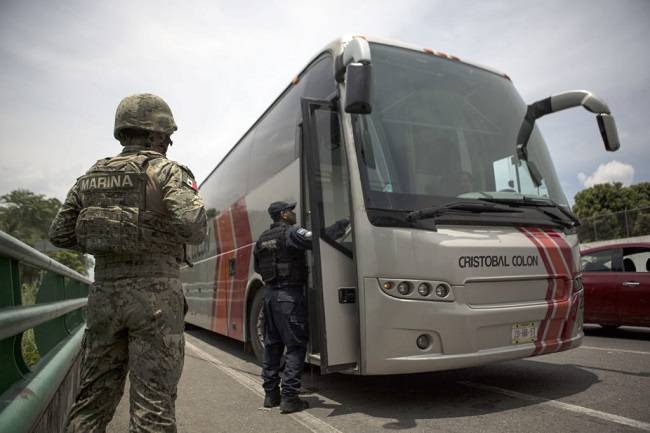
(443, 131)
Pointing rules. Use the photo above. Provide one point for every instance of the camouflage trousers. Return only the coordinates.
(135, 326)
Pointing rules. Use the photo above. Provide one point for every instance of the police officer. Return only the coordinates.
(280, 260)
(134, 212)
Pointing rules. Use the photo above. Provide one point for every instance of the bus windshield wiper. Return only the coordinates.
(566, 219)
(463, 207)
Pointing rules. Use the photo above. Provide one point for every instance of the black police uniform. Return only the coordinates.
(280, 260)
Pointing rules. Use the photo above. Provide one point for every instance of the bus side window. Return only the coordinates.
(230, 182)
(274, 145)
(332, 173)
(320, 79)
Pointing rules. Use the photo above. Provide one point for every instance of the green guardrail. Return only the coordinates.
(39, 343)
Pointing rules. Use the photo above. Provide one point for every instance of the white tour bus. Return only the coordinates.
(462, 248)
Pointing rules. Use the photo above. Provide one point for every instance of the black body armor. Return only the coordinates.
(276, 262)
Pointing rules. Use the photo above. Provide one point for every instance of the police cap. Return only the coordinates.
(277, 207)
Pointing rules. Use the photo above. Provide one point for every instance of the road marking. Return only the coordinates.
(564, 406)
(605, 349)
(309, 421)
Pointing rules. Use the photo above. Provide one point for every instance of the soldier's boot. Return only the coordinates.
(272, 399)
(293, 404)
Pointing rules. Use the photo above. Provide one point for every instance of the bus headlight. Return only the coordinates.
(417, 290)
(424, 289)
(423, 342)
(404, 288)
(442, 290)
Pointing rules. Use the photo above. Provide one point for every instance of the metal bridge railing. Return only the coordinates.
(38, 384)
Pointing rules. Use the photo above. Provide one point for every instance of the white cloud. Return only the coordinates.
(613, 171)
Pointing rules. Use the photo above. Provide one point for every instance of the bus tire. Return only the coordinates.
(256, 325)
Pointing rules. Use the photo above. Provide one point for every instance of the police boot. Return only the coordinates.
(272, 399)
(293, 404)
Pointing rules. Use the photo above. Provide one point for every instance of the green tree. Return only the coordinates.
(601, 208)
(642, 193)
(27, 216)
(642, 224)
(71, 259)
(603, 198)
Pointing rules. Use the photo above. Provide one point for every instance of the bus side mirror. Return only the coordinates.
(563, 101)
(608, 131)
(358, 88)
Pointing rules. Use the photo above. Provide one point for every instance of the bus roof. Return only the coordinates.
(336, 48)
(337, 45)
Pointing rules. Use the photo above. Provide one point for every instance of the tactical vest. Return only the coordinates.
(121, 210)
(276, 262)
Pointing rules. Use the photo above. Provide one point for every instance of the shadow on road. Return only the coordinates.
(402, 400)
(617, 371)
(624, 332)
(226, 344)
(405, 399)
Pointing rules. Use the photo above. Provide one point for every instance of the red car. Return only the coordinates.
(616, 279)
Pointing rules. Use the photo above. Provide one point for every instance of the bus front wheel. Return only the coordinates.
(256, 325)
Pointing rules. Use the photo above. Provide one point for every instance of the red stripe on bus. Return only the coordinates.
(573, 297)
(243, 244)
(562, 298)
(565, 249)
(567, 314)
(564, 316)
(224, 223)
(223, 289)
(216, 273)
(543, 325)
(554, 253)
(222, 279)
(565, 253)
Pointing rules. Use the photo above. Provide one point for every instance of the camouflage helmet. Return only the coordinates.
(144, 111)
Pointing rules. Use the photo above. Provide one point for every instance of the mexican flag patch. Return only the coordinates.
(188, 181)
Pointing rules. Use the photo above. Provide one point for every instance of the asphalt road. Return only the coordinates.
(603, 386)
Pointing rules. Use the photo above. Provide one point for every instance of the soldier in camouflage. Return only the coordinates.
(134, 212)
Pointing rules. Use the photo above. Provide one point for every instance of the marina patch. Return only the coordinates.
(107, 181)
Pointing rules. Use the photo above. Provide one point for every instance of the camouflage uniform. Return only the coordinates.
(135, 307)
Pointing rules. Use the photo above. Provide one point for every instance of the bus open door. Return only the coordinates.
(333, 293)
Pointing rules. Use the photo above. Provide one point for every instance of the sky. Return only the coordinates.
(65, 65)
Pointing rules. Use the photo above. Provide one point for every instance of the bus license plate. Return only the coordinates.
(524, 332)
